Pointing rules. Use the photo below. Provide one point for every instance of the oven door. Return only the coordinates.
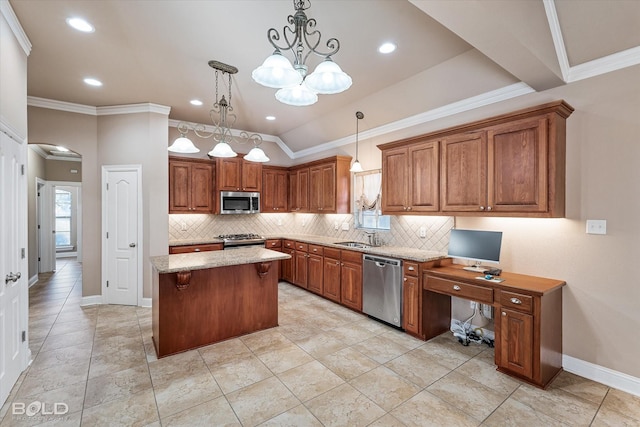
(234, 202)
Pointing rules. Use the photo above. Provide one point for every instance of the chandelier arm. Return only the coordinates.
(201, 131)
(254, 137)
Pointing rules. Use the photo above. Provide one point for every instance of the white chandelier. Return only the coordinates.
(296, 87)
(223, 120)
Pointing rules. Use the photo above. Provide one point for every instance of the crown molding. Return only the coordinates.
(7, 11)
(39, 151)
(133, 109)
(487, 98)
(69, 107)
(606, 64)
(558, 40)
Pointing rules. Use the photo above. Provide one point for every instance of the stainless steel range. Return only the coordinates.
(236, 241)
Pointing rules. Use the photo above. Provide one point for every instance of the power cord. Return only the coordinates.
(462, 330)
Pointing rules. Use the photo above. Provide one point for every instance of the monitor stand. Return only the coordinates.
(476, 268)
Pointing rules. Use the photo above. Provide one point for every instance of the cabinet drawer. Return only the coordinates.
(332, 253)
(459, 289)
(185, 249)
(315, 249)
(516, 301)
(410, 268)
(352, 256)
(302, 247)
(289, 244)
(273, 244)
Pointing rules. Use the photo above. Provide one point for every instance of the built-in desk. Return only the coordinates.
(528, 319)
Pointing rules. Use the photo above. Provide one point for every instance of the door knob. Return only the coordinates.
(12, 277)
(132, 245)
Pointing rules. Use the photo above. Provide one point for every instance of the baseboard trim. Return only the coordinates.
(145, 302)
(33, 280)
(606, 376)
(91, 300)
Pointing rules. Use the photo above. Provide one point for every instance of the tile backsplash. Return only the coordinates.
(405, 229)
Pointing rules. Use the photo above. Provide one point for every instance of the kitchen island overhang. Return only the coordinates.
(208, 297)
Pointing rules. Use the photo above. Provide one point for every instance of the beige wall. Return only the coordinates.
(60, 170)
(35, 169)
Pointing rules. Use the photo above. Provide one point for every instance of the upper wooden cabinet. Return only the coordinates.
(191, 183)
(299, 190)
(330, 186)
(236, 174)
(410, 182)
(509, 165)
(274, 189)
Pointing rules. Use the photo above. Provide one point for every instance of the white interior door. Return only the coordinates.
(122, 210)
(13, 275)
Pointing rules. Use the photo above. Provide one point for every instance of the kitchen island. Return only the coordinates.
(207, 297)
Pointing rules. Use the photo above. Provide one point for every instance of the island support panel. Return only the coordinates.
(216, 304)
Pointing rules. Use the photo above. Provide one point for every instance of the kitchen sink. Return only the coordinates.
(354, 244)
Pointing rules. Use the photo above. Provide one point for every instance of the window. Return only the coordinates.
(63, 218)
(367, 186)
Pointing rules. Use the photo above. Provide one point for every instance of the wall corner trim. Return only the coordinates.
(91, 300)
(606, 376)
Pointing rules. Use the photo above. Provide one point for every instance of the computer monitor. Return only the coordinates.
(478, 246)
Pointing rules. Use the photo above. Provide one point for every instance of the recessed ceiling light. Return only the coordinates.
(387, 47)
(270, 118)
(92, 82)
(196, 102)
(61, 148)
(80, 25)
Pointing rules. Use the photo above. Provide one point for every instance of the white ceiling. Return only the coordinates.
(448, 52)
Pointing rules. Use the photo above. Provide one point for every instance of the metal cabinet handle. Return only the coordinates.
(504, 314)
(196, 250)
(456, 287)
(516, 301)
(488, 208)
(405, 279)
(132, 245)
(408, 208)
(411, 268)
(481, 208)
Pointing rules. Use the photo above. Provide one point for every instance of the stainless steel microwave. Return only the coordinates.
(239, 202)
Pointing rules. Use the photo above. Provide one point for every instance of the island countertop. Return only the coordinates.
(203, 260)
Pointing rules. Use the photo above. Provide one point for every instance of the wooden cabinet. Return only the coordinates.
(509, 165)
(315, 266)
(299, 190)
(528, 326)
(331, 274)
(410, 181)
(191, 185)
(274, 189)
(288, 265)
(236, 174)
(411, 298)
(351, 279)
(184, 249)
(301, 268)
(330, 186)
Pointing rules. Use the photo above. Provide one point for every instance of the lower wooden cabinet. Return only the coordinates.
(516, 342)
(287, 271)
(315, 266)
(331, 274)
(411, 314)
(351, 279)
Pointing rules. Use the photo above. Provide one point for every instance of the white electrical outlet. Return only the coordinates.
(487, 311)
(279, 222)
(336, 226)
(345, 226)
(183, 226)
(423, 232)
(596, 226)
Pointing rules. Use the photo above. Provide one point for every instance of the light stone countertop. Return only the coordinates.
(212, 259)
(410, 254)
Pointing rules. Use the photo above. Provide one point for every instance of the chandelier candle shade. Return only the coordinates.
(356, 166)
(223, 120)
(296, 87)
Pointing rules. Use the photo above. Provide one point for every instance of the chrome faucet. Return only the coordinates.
(374, 238)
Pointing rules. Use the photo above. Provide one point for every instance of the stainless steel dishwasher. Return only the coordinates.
(382, 288)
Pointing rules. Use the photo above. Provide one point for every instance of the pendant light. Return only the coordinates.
(356, 166)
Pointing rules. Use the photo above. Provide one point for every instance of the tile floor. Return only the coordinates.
(324, 365)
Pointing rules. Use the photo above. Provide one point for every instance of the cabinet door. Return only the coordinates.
(251, 176)
(315, 189)
(179, 187)
(288, 266)
(331, 279)
(299, 190)
(517, 167)
(328, 190)
(351, 285)
(229, 174)
(464, 173)
(274, 191)
(516, 342)
(301, 269)
(201, 188)
(280, 191)
(424, 173)
(411, 305)
(315, 267)
(395, 177)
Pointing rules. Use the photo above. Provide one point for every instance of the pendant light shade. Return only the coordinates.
(276, 72)
(356, 167)
(222, 149)
(256, 155)
(298, 96)
(183, 145)
(328, 78)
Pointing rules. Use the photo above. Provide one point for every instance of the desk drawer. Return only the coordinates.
(516, 301)
(410, 268)
(459, 289)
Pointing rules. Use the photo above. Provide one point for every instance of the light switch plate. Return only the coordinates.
(596, 226)
(345, 226)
